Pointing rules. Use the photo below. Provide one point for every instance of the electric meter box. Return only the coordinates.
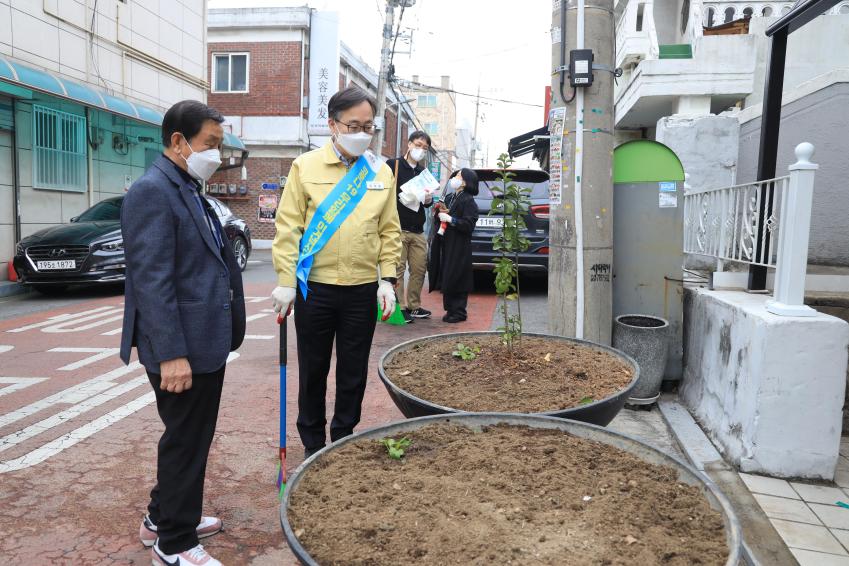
(581, 67)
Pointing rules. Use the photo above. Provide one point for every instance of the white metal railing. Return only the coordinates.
(726, 224)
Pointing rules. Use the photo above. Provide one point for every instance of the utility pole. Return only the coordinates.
(385, 62)
(580, 282)
(473, 153)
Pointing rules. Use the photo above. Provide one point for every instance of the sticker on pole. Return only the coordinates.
(667, 186)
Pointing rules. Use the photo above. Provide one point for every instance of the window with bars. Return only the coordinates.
(230, 72)
(59, 150)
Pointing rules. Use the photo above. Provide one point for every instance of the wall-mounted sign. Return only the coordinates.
(270, 187)
(667, 186)
(324, 69)
(267, 208)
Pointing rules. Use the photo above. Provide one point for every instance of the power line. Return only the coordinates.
(423, 87)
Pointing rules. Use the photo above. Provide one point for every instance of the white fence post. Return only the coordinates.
(794, 232)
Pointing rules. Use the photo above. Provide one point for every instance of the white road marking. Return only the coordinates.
(259, 337)
(113, 332)
(66, 441)
(18, 383)
(63, 326)
(61, 317)
(272, 311)
(256, 317)
(71, 395)
(99, 354)
(4, 349)
(257, 299)
(59, 418)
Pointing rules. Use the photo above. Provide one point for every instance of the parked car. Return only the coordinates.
(90, 249)
(535, 259)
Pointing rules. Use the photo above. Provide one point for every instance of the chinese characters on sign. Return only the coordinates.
(555, 184)
(324, 69)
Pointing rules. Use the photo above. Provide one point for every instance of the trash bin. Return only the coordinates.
(646, 339)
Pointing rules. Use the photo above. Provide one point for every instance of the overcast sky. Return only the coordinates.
(502, 45)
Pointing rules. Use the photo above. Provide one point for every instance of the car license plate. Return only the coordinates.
(490, 222)
(58, 264)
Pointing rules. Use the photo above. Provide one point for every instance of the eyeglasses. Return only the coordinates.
(357, 128)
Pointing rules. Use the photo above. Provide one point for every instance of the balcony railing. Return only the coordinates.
(765, 223)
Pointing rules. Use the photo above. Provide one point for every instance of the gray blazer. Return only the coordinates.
(183, 298)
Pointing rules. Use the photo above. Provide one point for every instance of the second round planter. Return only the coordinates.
(646, 339)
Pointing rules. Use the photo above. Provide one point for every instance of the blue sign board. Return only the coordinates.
(667, 186)
(276, 186)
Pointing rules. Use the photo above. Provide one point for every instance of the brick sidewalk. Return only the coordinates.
(78, 435)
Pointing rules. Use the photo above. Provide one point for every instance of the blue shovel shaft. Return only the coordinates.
(282, 321)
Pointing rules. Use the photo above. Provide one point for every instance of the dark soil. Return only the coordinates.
(541, 375)
(508, 495)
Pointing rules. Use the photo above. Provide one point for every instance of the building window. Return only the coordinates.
(711, 16)
(641, 9)
(729, 14)
(427, 101)
(747, 12)
(685, 15)
(230, 72)
(59, 150)
(432, 128)
(766, 12)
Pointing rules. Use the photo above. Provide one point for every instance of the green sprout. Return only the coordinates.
(395, 448)
(466, 353)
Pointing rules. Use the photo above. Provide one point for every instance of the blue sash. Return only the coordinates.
(330, 214)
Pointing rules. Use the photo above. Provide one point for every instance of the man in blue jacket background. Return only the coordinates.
(184, 312)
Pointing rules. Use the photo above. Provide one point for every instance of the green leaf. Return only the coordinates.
(586, 401)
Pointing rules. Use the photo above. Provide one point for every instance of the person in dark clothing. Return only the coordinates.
(451, 253)
(414, 243)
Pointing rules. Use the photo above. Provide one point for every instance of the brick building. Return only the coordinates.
(259, 71)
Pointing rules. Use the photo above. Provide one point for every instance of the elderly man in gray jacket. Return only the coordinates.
(184, 312)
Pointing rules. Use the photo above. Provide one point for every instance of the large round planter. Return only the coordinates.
(645, 452)
(599, 412)
(646, 339)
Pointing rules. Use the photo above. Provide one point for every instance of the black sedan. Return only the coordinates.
(90, 249)
(535, 259)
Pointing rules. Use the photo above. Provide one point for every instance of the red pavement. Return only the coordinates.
(78, 447)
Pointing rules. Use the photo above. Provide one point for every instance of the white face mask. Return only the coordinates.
(354, 144)
(454, 183)
(202, 164)
(417, 153)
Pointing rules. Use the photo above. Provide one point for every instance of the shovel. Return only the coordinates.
(281, 472)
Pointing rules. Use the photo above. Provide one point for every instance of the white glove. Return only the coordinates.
(386, 299)
(445, 217)
(282, 299)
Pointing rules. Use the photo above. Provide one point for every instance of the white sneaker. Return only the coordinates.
(196, 556)
(208, 526)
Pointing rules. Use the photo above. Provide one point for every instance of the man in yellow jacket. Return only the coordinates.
(336, 249)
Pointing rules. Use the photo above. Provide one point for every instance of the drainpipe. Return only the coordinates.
(89, 157)
(16, 182)
(301, 138)
(579, 169)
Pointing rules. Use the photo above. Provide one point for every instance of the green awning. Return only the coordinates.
(15, 73)
(645, 161)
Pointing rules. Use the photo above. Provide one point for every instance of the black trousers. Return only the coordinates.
(348, 314)
(455, 304)
(176, 501)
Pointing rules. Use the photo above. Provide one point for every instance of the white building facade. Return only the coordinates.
(105, 71)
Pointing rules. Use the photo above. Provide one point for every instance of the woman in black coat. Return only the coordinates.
(450, 268)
